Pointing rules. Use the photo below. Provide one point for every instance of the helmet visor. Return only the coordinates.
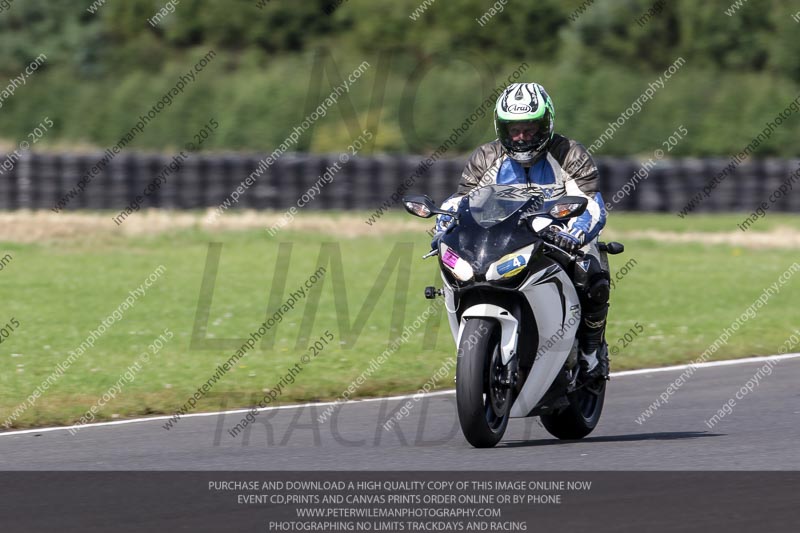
(524, 135)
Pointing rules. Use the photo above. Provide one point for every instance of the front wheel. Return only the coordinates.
(483, 391)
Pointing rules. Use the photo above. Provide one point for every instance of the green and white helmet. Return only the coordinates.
(528, 107)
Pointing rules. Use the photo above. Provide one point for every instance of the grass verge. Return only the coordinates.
(59, 289)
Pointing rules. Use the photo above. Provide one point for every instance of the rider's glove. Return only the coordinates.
(569, 242)
(444, 221)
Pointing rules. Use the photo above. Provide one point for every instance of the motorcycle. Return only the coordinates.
(514, 312)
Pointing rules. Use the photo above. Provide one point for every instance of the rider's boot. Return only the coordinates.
(592, 282)
(593, 351)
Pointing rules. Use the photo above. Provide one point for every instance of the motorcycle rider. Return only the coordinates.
(527, 152)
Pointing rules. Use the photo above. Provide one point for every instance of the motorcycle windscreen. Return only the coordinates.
(494, 204)
(489, 224)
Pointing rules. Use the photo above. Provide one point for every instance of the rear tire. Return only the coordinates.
(582, 415)
(483, 403)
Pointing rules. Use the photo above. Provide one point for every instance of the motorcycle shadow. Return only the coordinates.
(634, 437)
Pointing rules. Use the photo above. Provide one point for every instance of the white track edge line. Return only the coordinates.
(623, 373)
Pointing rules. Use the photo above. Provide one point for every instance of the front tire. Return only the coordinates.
(484, 401)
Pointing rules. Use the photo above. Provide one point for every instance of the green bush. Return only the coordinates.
(105, 69)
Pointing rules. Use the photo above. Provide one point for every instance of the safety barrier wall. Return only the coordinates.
(40, 180)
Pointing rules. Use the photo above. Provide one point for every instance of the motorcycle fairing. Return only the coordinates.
(557, 311)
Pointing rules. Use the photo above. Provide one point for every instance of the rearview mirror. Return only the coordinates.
(420, 205)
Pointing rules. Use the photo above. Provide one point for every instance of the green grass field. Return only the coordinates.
(59, 289)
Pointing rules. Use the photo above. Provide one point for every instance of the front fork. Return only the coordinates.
(510, 374)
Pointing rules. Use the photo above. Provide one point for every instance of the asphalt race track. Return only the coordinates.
(760, 433)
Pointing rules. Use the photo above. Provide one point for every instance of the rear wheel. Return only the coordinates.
(582, 415)
(483, 394)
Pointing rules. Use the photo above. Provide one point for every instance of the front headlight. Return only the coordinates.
(460, 268)
(509, 265)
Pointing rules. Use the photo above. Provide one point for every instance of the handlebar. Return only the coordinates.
(572, 257)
